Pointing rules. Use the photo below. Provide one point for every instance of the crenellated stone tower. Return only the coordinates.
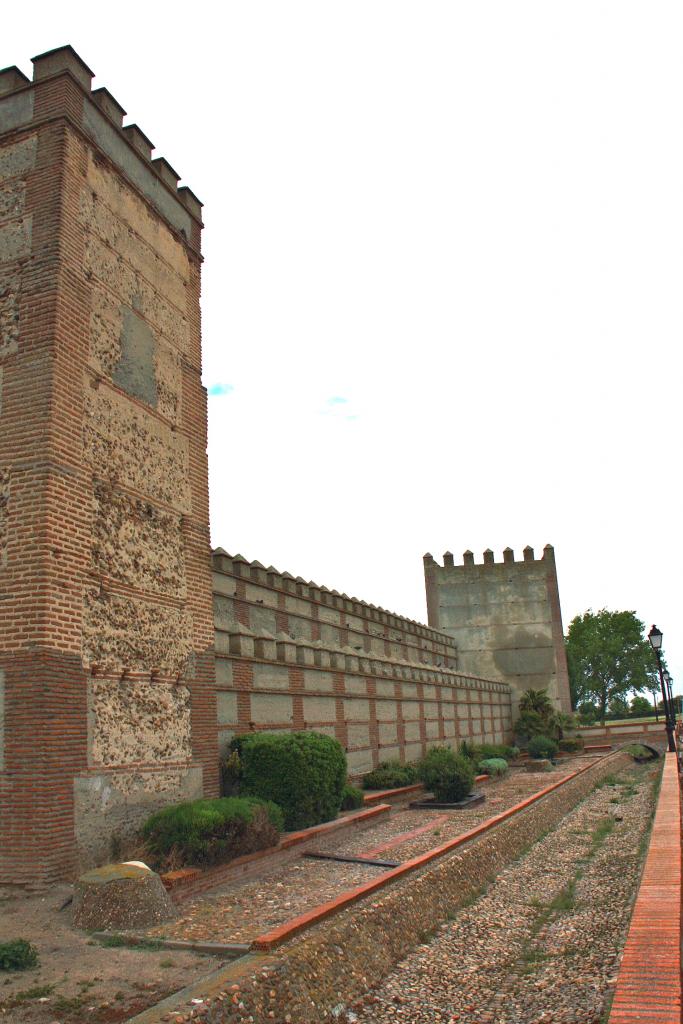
(505, 617)
(107, 679)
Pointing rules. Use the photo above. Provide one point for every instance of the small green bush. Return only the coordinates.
(390, 775)
(542, 746)
(352, 797)
(493, 766)
(17, 955)
(488, 750)
(231, 774)
(472, 751)
(303, 772)
(638, 752)
(571, 744)
(449, 776)
(213, 831)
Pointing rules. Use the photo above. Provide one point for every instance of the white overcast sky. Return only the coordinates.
(442, 292)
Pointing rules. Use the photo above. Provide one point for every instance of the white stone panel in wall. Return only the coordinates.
(327, 614)
(315, 679)
(271, 709)
(264, 595)
(387, 732)
(270, 677)
(412, 730)
(413, 751)
(227, 708)
(361, 761)
(384, 688)
(356, 709)
(223, 671)
(357, 685)
(358, 735)
(386, 710)
(319, 709)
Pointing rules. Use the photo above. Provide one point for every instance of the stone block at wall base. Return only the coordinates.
(110, 807)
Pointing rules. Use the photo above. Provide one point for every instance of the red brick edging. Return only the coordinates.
(282, 933)
(649, 981)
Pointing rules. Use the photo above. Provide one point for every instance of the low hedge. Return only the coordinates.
(571, 744)
(304, 773)
(352, 798)
(213, 831)
(493, 766)
(540, 747)
(391, 775)
(17, 955)
(449, 776)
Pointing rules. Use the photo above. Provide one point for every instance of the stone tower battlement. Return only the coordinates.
(504, 616)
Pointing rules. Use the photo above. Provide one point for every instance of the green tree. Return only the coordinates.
(608, 655)
(640, 706)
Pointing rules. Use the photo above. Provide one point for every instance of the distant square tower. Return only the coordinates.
(505, 617)
(107, 679)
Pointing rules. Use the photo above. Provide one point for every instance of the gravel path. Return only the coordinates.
(500, 794)
(543, 943)
(240, 911)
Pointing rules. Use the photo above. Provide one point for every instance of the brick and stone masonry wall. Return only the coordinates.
(505, 618)
(294, 655)
(107, 684)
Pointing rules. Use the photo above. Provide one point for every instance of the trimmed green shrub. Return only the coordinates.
(638, 752)
(493, 766)
(17, 955)
(571, 744)
(449, 776)
(530, 723)
(213, 831)
(488, 750)
(542, 746)
(391, 775)
(231, 774)
(352, 798)
(303, 772)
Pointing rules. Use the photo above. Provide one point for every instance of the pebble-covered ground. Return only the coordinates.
(542, 944)
(240, 911)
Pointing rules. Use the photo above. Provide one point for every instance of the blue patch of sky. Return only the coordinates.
(220, 389)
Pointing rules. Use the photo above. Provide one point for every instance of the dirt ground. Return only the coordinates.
(78, 979)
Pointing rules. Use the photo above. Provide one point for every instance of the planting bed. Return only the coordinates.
(242, 911)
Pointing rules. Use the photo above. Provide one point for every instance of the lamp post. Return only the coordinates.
(655, 637)
(669, 689)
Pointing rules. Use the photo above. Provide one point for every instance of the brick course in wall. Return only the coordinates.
(294, 655)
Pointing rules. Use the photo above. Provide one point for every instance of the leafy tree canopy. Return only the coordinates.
(608, 656)
(641, 706)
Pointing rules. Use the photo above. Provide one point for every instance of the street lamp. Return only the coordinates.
(655, 637)
(668, 680)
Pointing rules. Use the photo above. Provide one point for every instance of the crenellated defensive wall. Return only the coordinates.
(292, 654)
